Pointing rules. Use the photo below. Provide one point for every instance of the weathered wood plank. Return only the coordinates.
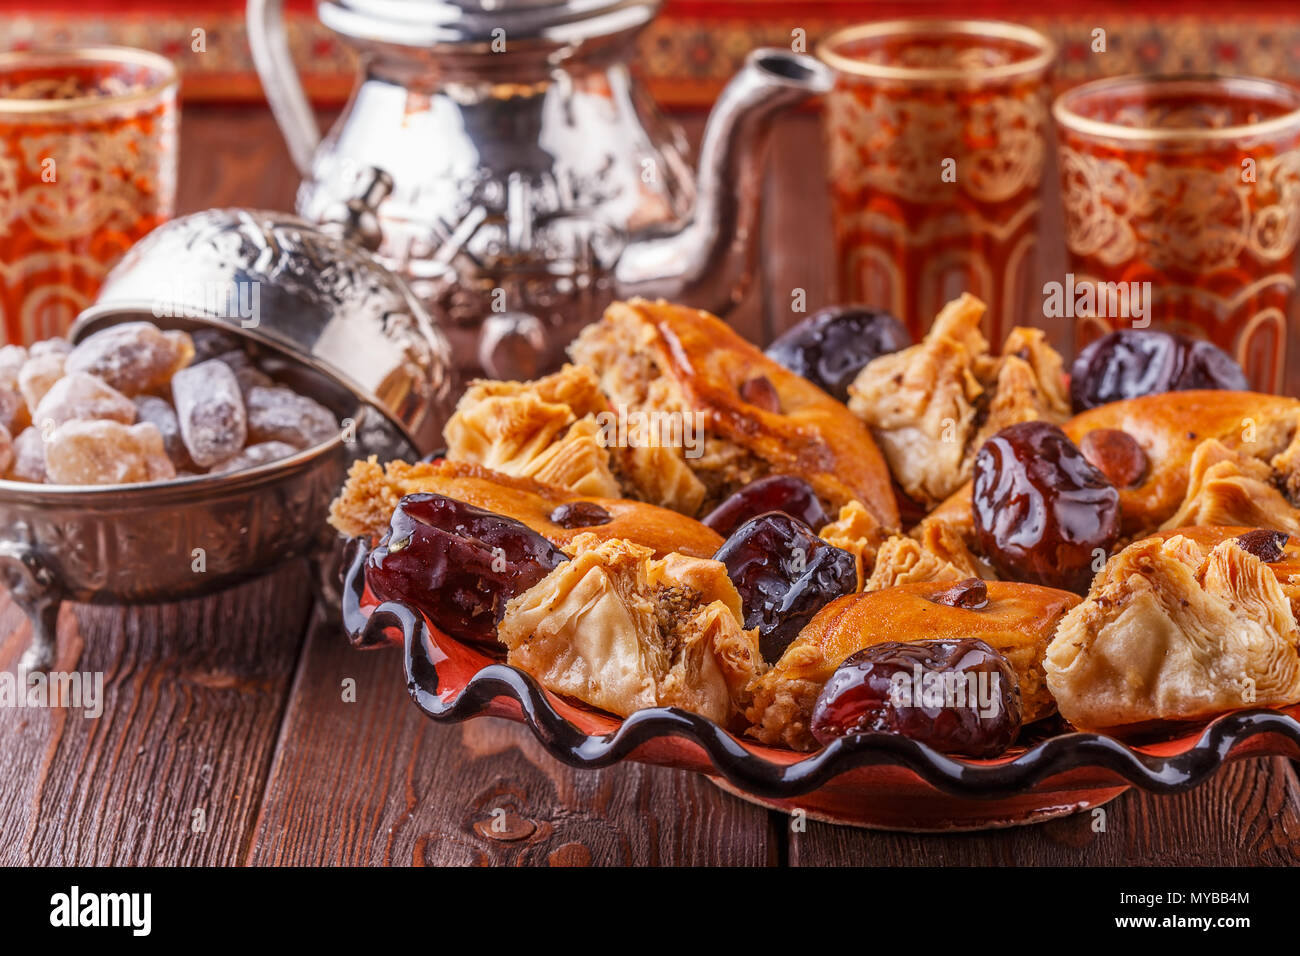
(1248, 815)
(375, 782)
(173, 770)
(797, 243)
(234, 157)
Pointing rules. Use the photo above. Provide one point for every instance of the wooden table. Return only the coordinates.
(226, 738)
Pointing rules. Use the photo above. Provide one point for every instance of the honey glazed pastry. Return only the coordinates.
(368, 499)
(1132, 567)
(757, 418)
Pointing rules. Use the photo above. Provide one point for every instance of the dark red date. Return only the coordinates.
(1133, 362)
(832, 345)
(1042, 513)
(785, 574)
(970, 593)
(786, 493)
(457, 563)
(959, 697)
(580, 514)
(1268, 546)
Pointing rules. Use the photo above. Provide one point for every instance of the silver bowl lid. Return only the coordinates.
(288, 284)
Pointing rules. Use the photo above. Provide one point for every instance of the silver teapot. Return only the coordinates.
(533, 179)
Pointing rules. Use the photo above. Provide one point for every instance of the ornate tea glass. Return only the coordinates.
(1190, 183)
(936, 148)
(87, 167)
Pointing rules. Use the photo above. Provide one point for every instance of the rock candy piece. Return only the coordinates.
(210, 407)
(255, 455)
(13, 410)
(29, 456)
(38, 375)
(213, 343)
(106, 453)
(281, 414)
(12, 358)
(82, 397)
(12, 407)
(54, 346)
(6, 450)
(249, 375)
(159, 413)
(133, 357)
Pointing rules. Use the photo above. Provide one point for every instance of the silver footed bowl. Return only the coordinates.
(328, 320)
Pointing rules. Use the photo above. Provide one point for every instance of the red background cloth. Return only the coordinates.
(691, 49)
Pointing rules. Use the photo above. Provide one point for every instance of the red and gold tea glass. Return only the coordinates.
(1190, 183)
(937, 140)
(87, 167)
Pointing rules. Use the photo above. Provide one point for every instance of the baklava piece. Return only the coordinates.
(932, 405)
(1279, 550)
(372, 492)
(621, 630)
(1028, 385)
(1227, 487)
(920, 402)
(1170, 428)
(1173, 631)
(546, 429)
(1017, 620)
(937, 555)
(940, 548)
(858, 533)
(655, 359)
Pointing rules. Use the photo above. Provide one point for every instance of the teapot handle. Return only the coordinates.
(270, 46)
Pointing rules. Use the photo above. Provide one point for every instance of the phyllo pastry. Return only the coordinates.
(936, 553)
(932, 405)
(757, 418)
(1173, 630)
(621, 630)
(1232, 487)
(858, 533)
(1171, 427)
(1279, 550)
(367, 500)
(1018, 621)
(940, 548)
(545, 429)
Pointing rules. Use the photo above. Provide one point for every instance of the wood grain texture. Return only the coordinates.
(797, 239)
(375, 782)
(1248, 815)
(193, 695)
(234, 157)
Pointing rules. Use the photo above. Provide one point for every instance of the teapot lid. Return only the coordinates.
(424, 23)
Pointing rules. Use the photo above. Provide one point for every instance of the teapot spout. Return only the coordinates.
(709, 261)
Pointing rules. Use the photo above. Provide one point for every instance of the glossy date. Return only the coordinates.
(957, 696)
(458, 564)
(785, 574)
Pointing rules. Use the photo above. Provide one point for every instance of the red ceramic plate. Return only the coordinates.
(875, 780)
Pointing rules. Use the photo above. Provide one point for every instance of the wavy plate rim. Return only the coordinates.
(735, 762)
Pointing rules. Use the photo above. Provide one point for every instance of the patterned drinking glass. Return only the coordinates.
(1190, 183)
(87, 167)
(936, 141)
